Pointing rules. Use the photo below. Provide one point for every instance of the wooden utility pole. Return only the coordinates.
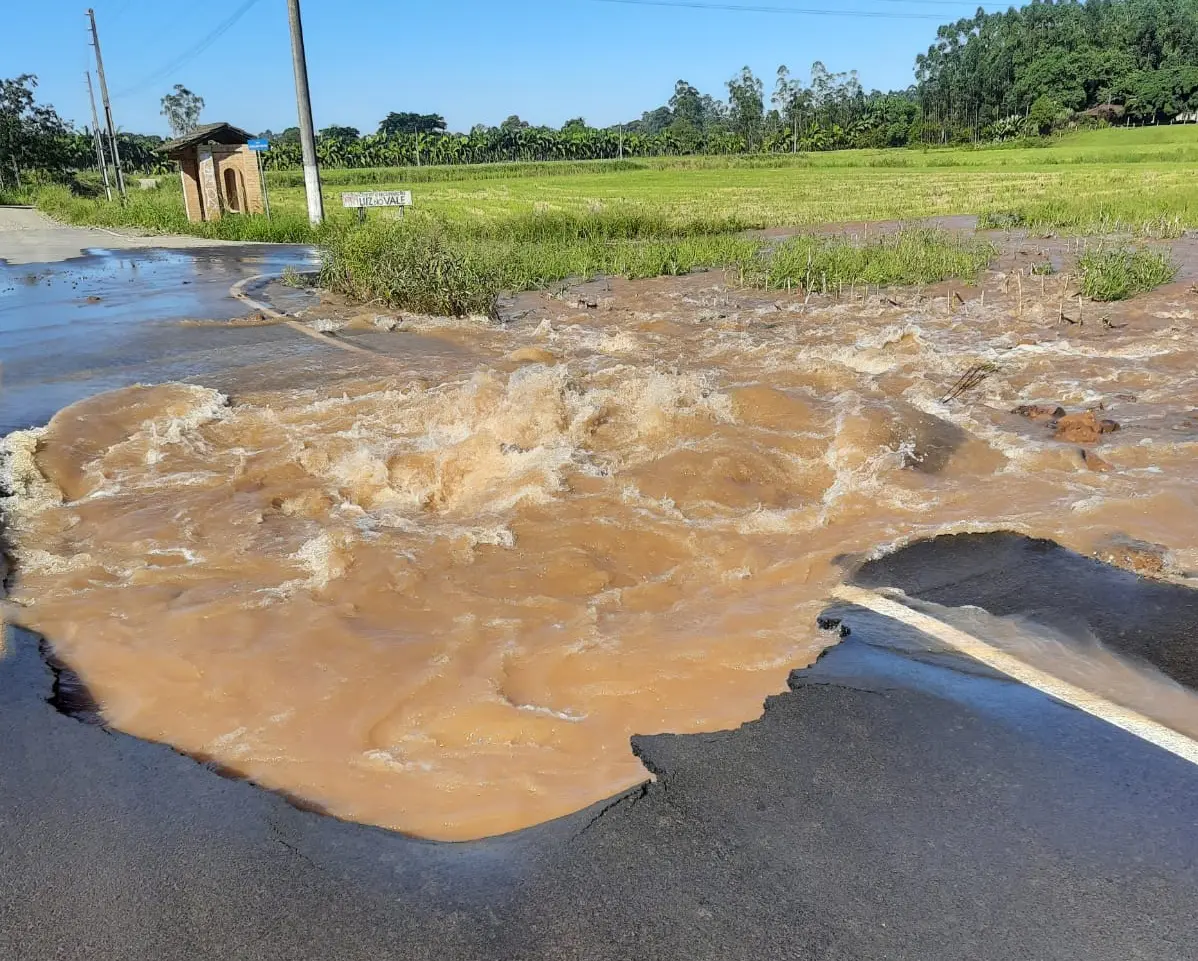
(116, 154)
(91, 96)
(304, 102)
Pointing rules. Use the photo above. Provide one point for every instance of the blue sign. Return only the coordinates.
(259, 144)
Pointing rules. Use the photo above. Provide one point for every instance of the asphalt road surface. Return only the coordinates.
(28, 236)
(1007, 574)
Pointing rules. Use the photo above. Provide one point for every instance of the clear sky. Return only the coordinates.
(474, 61)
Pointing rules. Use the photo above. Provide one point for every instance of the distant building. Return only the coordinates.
(220, 173)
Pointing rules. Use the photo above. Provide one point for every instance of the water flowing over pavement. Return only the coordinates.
(112, 318)
(439, 593)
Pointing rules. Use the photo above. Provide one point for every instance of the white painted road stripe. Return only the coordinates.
(238, 291)
(1128, 720)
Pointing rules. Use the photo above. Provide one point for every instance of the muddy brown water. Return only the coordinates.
(442, 603)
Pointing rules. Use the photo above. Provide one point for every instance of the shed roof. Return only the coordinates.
(206, 133)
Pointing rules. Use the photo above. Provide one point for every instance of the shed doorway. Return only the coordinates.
(232, 191)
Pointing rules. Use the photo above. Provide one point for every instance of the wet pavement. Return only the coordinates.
(119, 317)
(899, 801)
(1155, 622)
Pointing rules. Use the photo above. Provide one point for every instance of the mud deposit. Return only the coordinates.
(443, 605)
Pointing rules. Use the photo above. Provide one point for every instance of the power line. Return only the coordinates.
(191, 52)
(800, 11)
(124, 7)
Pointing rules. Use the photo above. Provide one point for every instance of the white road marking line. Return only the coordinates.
(1121, 717)
(238, 292)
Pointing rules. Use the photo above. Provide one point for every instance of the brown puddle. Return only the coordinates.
(443, 606)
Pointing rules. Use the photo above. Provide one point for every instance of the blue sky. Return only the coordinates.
(474, 61)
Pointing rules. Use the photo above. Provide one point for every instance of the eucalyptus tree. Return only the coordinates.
(746, 107)
(182, 109)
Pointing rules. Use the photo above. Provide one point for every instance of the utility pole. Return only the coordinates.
(304, 100)
(116, 155)
(96, 136)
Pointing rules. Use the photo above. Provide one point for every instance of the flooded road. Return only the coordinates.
(72, 329)
(440, 595)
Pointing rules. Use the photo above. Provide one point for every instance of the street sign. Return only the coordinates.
(258, 144)
(377, 198)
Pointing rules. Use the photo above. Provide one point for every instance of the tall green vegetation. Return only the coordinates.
(36, 144)
(33, 138)
(905, 258)
(182, 110)
(161, 211)
(1115, 181)
(442, 267)
(991, 76)
(1133, 58)
(1119, 274)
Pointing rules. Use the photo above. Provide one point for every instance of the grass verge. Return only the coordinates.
(16, 197)
(441, 269)
(161, 211)
(1119, 274)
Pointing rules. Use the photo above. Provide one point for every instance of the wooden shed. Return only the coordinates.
(220, 173)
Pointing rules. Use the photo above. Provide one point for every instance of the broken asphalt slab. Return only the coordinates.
(1009, 574)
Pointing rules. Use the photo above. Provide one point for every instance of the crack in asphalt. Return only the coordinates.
(638, 793)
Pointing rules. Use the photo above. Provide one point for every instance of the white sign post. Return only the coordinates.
(260, 145)
(376, 198)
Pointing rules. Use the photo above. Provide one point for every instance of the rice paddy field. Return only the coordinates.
(477, 230)
(1140, 177)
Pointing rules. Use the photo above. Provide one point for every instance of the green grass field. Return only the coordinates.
(1140, 178)
(503, 226)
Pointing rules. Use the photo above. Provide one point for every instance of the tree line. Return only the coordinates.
(1117, 59)
(832, 112)
(992, 76)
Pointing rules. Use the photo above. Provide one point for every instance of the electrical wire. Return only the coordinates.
(799, 11)
(121, 11)
(190, 53)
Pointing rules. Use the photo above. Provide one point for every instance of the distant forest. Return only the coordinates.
(990, 77)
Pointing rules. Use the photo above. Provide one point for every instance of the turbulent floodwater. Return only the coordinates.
(444, 605)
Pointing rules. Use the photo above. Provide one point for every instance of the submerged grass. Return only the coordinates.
(1144, 215)
(908, 257)
(1119, 274)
